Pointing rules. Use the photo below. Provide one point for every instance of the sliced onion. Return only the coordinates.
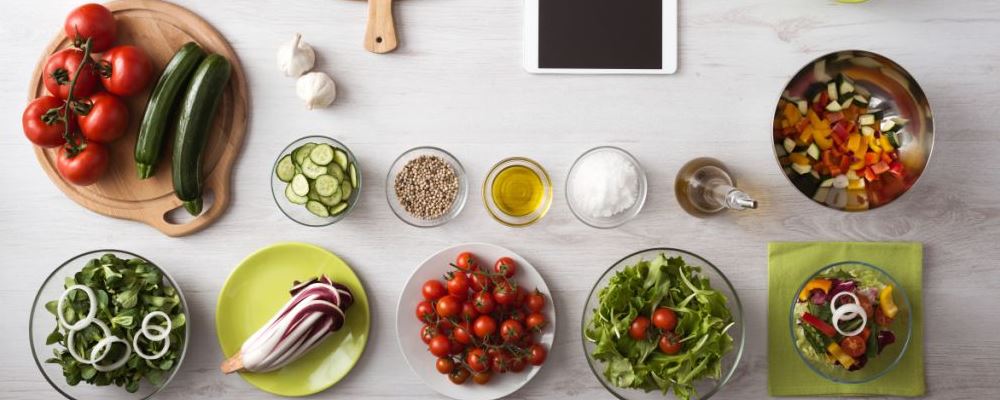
(72, 349)
(166, 343)
(833, 304)
(143, 328)
(840, 315)
(84, 322)
(105, 345)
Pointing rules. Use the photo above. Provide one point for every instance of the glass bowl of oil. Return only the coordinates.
(517, 192)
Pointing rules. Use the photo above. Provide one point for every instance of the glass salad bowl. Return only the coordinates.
(312, 209)
(42, 323)
(703, 388)
(868, 278)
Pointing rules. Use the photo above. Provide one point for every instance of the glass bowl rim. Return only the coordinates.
(64, 264)
(463, 189)
(909, 321)
(736, 299)
(629, 213)
(546, 186)
(350, 156)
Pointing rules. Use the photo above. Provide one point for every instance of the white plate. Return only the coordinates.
(408, 327)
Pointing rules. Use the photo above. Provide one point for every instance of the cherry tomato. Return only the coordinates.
(125, 70)
(456, 347)
(445, 365)
(440, 346)
(433, 289)
(504, 293)
(60, 69)
(535, 301)
(448, 306)
(484, 303)
(501, 362)
(459, 375)
(479, 282)
(462, 333)
(881, 319)
(466, 261)
(664, 318)
(866, 304)
(484, 326)
(538, 354)
(517, 315)
(86, 167)
(511, 331)
(106, 120)
(427, 333)
(520, 296)
(518, 364)
(444, 325)
(42, 125)
(458, 284)
(854, 346)
(477, 360)
(92, 21)
(639, 327)
(482, 378)
(505, 266)
(425, 311)
(535, 322)
(669, 344)
(469, 312)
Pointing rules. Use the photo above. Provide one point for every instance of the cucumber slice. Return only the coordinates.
(300, 185)
(302, 153)
(336, 210)
(345, 190)
(354, 175)
(330, 201)
(285, 169)
(336, 171)
(322, 154)
(326, 185)
(318, 209)
(312, 195)
(340, 157)
(292, 197)
(311, 170)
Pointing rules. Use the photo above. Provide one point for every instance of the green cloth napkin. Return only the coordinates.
(789, 264)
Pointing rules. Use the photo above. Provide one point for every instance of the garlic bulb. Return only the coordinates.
(316, 89)
(296, 57)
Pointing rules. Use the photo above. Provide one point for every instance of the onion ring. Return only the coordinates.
(833, 304)
(163, 332)
(166, 343)
(72, 349)
(839, 315)
(105, 345)
(82, 323)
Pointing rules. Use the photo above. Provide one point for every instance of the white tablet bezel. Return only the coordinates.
(530, 40)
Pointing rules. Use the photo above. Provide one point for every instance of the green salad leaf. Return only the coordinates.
(703, 322)
(126, 291)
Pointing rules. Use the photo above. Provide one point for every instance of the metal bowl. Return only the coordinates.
(900, 95)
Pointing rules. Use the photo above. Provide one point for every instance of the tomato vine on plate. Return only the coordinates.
(479, 322)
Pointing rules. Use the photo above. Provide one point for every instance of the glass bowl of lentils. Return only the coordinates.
(426, 187)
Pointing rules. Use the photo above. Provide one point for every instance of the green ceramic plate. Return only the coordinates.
(258, 287)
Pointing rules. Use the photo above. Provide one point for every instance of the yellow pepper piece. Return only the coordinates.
(855, 184)
(886, 145)
(875, 146)
(799, 158)
(886, 303)
(858, 165)
(853, 141)
(862, 147)
(805, 138)
(792, 114)
(821, 284)
(821, 137)
(814, 119)
(838, 353)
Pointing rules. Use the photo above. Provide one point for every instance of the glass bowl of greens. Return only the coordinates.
(850, 322)
(123, 317)
(663, 320)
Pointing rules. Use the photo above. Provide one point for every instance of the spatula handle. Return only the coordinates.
(380, 37)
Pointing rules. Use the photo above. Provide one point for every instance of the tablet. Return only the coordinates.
(600, 36)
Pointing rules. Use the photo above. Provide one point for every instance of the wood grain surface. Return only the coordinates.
(457, 82)
(160, 29)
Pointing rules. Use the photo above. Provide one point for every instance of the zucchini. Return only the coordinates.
(194, 120)
(161, 103)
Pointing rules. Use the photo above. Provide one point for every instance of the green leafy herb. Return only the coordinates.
(703, 322)
(126, 291)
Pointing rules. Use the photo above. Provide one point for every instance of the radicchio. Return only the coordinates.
(885, 338)
(841, 286)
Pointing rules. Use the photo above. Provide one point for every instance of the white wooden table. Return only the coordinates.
(457, 82)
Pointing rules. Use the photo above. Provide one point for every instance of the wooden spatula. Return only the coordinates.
(380, 36)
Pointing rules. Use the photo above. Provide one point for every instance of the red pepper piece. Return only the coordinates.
(817, 323)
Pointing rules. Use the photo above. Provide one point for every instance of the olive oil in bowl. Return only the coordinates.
(517, 192)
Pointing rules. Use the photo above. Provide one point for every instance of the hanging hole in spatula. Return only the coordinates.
(180, 215)
(380, 34)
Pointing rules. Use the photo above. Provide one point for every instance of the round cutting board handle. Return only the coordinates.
(380, 36)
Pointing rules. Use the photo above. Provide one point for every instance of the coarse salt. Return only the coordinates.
(604, 184)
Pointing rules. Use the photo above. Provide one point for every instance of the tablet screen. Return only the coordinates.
(600, 34)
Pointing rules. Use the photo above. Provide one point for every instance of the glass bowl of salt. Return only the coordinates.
(606, 187)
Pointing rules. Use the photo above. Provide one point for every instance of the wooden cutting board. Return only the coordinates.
(159, 28)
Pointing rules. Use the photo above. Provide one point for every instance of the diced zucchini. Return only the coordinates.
(846, 87)
(801, 169)
(311, 170)
(317, 209)
(789, 145)
(340, 157)
(867, 131)
(847, 103)
(887, 125)
(821, 194)
(827, 183)
(894, 139)
(860, 99)
(831, 91)
(803, 107)
(302, 153)
(353, 172)
(300, 185)
(815, 175)
(292, 197)
(866, 119)
(840, 181)
(345, 190)
(833, 106)
(336, 210)
(285, 169)
(321, 154)
(780, 150)
(813, 151)
(326, 185)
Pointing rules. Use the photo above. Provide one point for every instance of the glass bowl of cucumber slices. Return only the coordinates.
(316, 181)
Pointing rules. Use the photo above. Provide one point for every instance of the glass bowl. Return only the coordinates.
(397, 167)
(876, 367)
(517, 221)
(42, 323)
(617, 219)
(298, 212)
(705, 388)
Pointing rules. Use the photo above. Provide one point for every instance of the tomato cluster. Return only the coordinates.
(664, 320)
(84, 111)
(480, 322)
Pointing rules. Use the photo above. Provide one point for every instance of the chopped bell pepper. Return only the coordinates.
(853, 141)
(880, 168)
(886, 303)
(799, 158)
(871, 158)
(858, 164)
(792, 114)
(886, 145)
(838, 353)
(817, 323)
(896, 168)
(821, 284)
